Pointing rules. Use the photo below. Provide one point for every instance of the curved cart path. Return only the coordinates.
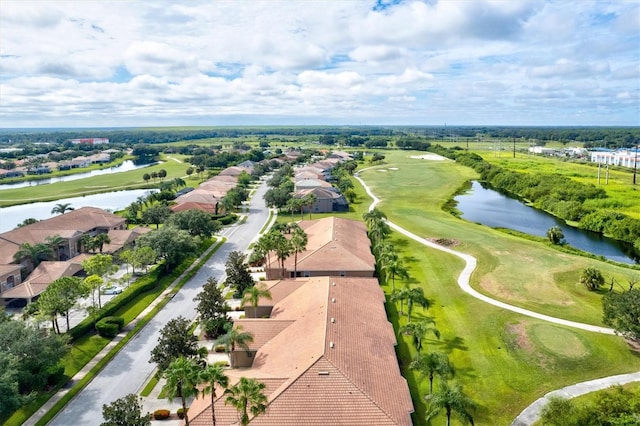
(531, 413)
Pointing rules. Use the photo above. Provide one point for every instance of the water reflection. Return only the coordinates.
(491, 208)
(126, 166)
(10, 217)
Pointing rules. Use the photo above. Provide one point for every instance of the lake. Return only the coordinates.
(10, 217)
(492, 208)
(126, 166)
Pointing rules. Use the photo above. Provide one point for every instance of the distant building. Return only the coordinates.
(624, 157)
(90, 141)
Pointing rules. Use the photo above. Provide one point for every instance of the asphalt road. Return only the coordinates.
(130, 369)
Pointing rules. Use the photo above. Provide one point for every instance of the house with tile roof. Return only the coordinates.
(71, 227)
(335, 246)
(326, 355)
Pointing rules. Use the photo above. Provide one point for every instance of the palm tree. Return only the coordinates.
(282, 246)
(213, 375)
(247, 395)
(453, 400)
(395, 269)
(431, 365)
(401, 296)
(592, 278)
(35, 253)
(372, 216)
(100, 240)
(416, 295)
(61, 208)
(378, 231)
(234, 337)
(419, 330)
(298, 244)
(55, 241)
(309, 201)
(182, 377)
(254, 293)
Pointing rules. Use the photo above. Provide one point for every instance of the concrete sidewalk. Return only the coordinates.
(87, 368)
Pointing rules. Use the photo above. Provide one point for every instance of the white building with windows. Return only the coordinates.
(624, 158)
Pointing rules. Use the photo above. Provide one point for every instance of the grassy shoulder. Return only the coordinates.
(87, 347)
(504, 360)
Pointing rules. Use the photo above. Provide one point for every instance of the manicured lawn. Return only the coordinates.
(504, 360)
(96, 184)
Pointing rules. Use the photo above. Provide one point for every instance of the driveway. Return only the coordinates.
(130, 369)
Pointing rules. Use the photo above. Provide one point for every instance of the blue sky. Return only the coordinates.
(381, 62)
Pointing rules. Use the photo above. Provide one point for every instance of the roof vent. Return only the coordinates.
(331, 345)
(323, 373)
(333, 319)
(333, 300)
(333, 283)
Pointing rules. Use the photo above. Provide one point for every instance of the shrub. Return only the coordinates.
(109, 326)
(56, 374)
(161, 414)
(180, 413)
(218, 348)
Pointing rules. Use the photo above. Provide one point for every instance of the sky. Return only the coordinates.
(95, 63)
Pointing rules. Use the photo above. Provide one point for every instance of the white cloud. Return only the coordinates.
(187, 62)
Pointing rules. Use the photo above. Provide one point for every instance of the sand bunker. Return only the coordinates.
(432, 157)
(393, 168)
(382, 170)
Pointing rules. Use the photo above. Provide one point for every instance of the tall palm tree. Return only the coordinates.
(254, 293)
(416, 295)
(34, 253)
(298, 244)
(431, 365)
(213, 375)
(400, 296)
(378, 231)
(55, 241)
(182, 376)
(100, 240)
(247, 395)
(61, 208)
(419, 330)
(234, 337)
(282, 246)
(372, 216)
(309, 201)
(394, 269)
(453, 400)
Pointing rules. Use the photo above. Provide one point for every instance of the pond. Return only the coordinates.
(492, 208)
(126, 166)
(10, 217)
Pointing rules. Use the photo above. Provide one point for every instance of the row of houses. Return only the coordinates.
(322, 344)
(24, 168)
(71, 227)
(207, 195)
(315, 179)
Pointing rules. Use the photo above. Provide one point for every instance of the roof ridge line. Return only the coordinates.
(393, 419)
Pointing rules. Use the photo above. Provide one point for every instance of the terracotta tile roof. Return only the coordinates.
(334, 244)
(198, 195)
(121, 237)
(263, 330)
(68, 225)
(44, 274)
(337, 358)
(207, 207)
(233, 171)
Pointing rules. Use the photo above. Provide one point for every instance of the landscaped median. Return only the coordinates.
(137, 313)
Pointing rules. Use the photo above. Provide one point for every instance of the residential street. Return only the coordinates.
(130, 369)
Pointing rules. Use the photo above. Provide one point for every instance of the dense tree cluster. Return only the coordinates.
(29, 361)
(614, 406)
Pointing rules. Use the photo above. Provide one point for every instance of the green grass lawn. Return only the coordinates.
(504, 360)
(97, 184)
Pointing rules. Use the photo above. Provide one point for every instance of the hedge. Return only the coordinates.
(109, 326)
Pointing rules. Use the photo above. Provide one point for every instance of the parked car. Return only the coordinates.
(113, 290)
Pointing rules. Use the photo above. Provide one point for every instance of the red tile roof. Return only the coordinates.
(336, 357)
